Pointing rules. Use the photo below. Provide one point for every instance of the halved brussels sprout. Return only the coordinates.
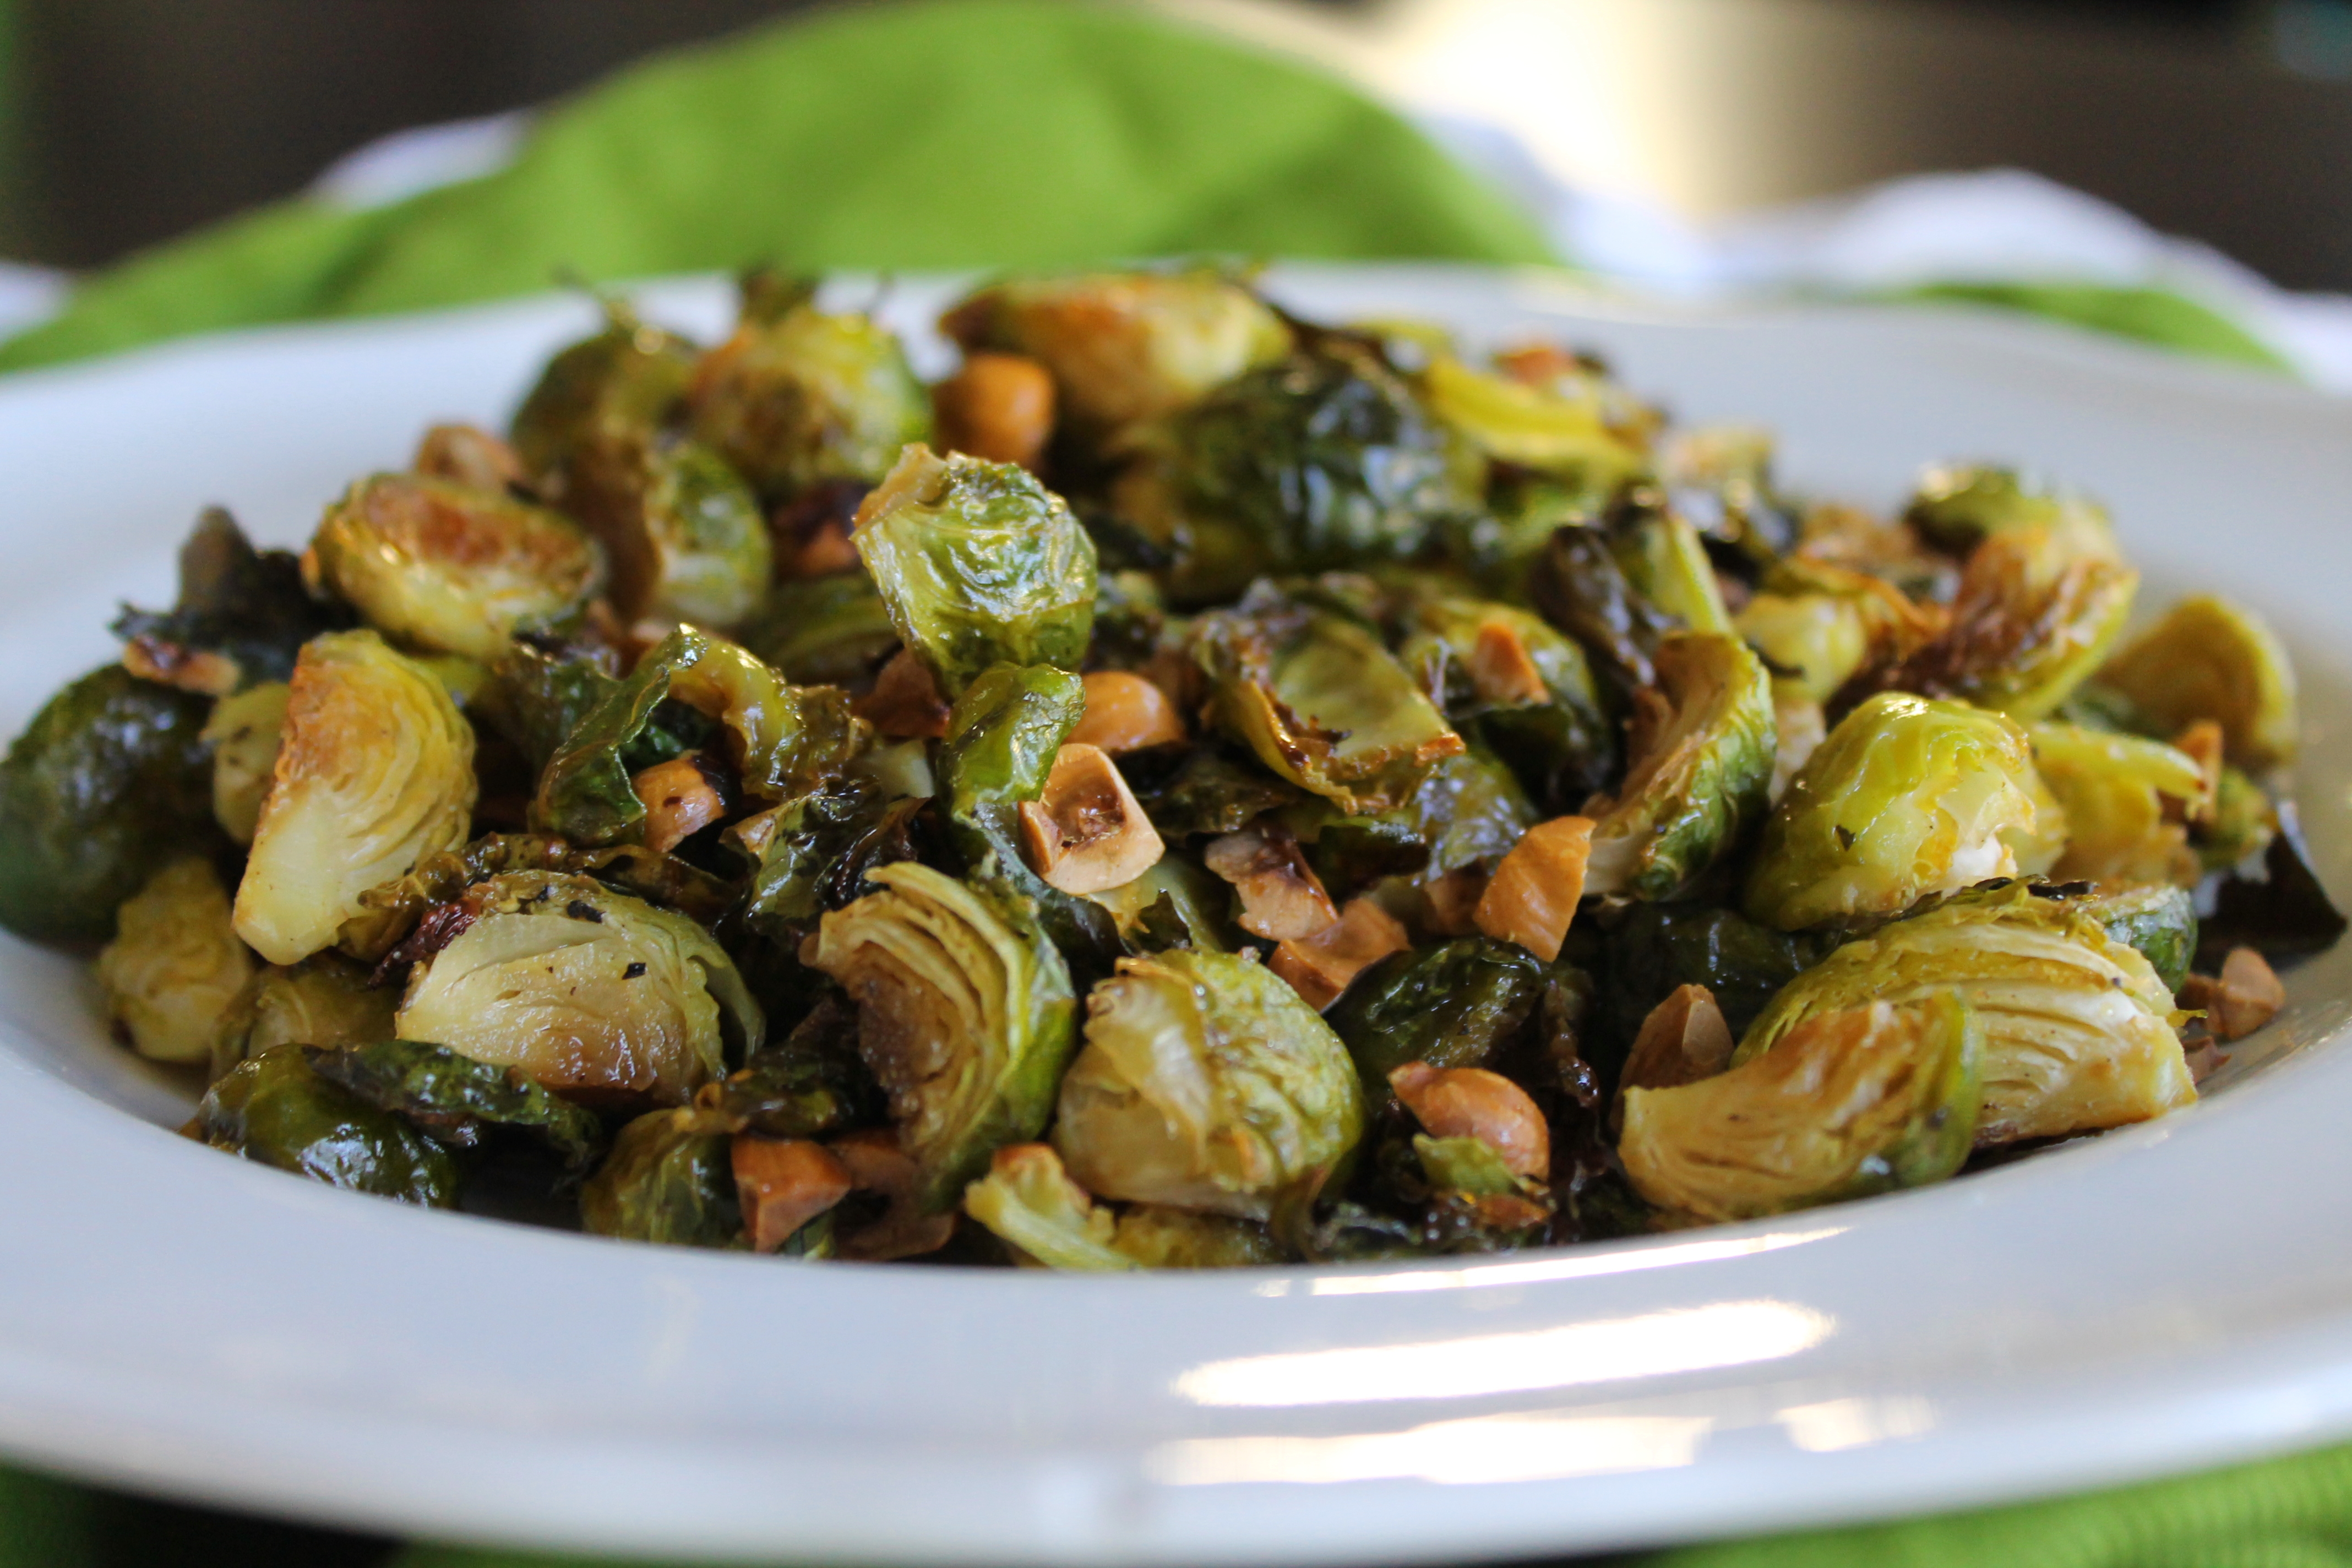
(374, 772)
(2113, 789)
(812, 853)
(589, 990)
(242, 615)
(1576, 581)
(274, 1110)
(1048, 1220)
(1654, 950)
(1819, 639)
(2210, 659)
(1506, 656)
(1157, 1237)
(1322, 703)
(453, 1096)
(784, 740)
(243, 732)
(533, 699)
(445, 569)
(824, 631)
(1846, 1104)
(797, 397)
(2078, 1029)
(106, 785)
(687, 537)
(979, 564)
(1205, 1083)
(1907, 797)
(965, 1013)
(1703, 744)
(2157, 921)
(1667, 563)
(325, 1000)
(668, 1179)
(1125, 347)
(1959, 507)
(174, 967)
(616, 385)
(1560, 426)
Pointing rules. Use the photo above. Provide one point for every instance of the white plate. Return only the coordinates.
(2170, 1296)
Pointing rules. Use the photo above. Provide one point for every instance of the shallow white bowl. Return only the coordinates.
(2169, 1296)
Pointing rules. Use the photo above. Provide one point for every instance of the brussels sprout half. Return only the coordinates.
(375, 772)
(2210, 659)
(668, 1179)
(979, 564)
(686, 535)
(618, 386)
(326, 1000)
(2113, 790)
(824, 631)
(1703, 747)
(2078, 1029)
(275, 1111)
(965, 1013)
(588, 991)
(442, 568)
(454, 1095)
(1205, 1083)
(1846, 1104)
(1959, 507)
(175, 966)
(1560, 427)
(1907, 797)
(1451, 1006)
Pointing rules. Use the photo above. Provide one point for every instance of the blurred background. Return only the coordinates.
(125, 122)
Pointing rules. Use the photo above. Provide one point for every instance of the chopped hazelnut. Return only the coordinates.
(469, 455)
(200, 670)
(999, 406)
(1683, 1040)
(680, 800)
(1088, 832)
(1319, 967)
(1534, 892)
(1471, 1102)
(1501, 670)
(878, 1164)
(1127, 713)
(905, 703)
(783, 1183)
(2201, 742)
(1282, 899)
(2246, 995)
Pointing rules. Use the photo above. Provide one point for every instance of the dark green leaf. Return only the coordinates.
(448, 1095)
(275, 1111)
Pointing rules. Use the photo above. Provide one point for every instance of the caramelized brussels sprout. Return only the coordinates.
(1665, 563)
(1819, 639)
(1560, 426)
(588, 991)
(454, 1095)
(1849, 1103)
(1157, 1237)
(1702, 747)
(444, 569)
(106, 785)
(686, 535)
(2078, 1029)
(2113, 789)
(274, 1110)
(1047, 1219)
(618, 386)
(242, 615)
(965, 1013)
(1322, 703)
(1205, 1083)
(783, 740)
(1654, 950)
(2157, 921)
(667, 1180)
(1125, 347)
(243, 732)
(797, 397)
(173, 966)
(1959, 507)
(979, 564)
(824, 631)
(2210, 659)
(1907, 797)
(325, 1000)
(534, 700)
(1576, 581)
(812, 852)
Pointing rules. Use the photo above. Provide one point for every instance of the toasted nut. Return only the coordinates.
(1319, 967)
(783, 1183)
(1533, 896)
(1683, 1040)
(469, 455)
(1500, 668)
(1537, 364)
(2245, 996)
(2202, 742)
(681, 801)
(1471, 1102)
(905, 703)
(1088, 832)
(195, 669)
(876, 1165)
(998, 406)
(1282, 899)
(1127, 713)
(1453, 900)
(824, 552)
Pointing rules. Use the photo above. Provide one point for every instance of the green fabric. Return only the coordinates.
(961, 133)
(2147, 315)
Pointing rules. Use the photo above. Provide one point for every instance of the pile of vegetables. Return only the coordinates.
(1195, 787)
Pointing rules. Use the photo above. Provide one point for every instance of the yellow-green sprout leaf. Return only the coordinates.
(802, 397)
(1205, 1083)
(669, 1181)
(588, 991)
(444, 568)
(175, 966)
(325, 1000)
(2079, 1031)
(1048, 1220)
(375, 772)
(979, 564)
(2210, 659)
(1664, 561)
(1819, 638)
(1848, 1103)
(1561, 429)
(618, 386)
(1470, 1166)
(1704, 740)
(1907, 797)
(686, 535)
(965, 1013)
(2113, 788)
(1958, 506)
(1157, 1237)
(243, 732)
(1323, 704)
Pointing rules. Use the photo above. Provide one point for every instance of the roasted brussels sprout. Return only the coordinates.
(686, 535)
(965, 1013)
(441, 568)
(1125, 347)
(454, 1097)
(243, 733)
(588, 991)
(811, 853)
(325, 1000)
(618, 386)
(824, 631)
(243, 614)
(797, 397)
(107, 785)
(1322, 703)
(670, 1180)
(1652, 950)
(979, 564)
(2078, 1030)
(1526, 690)
(1205, 1083)
(1848, 1103)
(533, 699)
(375, 772)
(1667, 563)
(2113, 790)
(1907, 797)
(1157, 1237)
(274, 1110)
(1559, 425)
(1048, 1220)
(2157, 921)
(1576, 581)
(173, 966)
(1959, 507)
(782, 740)
(1702, 748)
(2210, 658)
